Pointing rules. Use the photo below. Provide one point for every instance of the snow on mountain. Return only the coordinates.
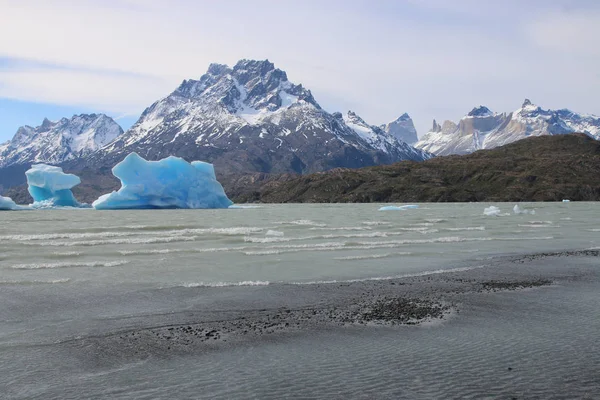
(483, 129)
(402, 129)
(56, 142)
(251, 118)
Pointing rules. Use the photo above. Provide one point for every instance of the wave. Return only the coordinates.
(435, 220)
(332, 281)
(343, 228)
(92, 264)
(223, 284)
(116, 241)
(117, 234)
(466, 228)
(349, 246)
(387, 278)
(375, 223)
(373, 256)
(538, 226)
(303, 222)
(35, 282)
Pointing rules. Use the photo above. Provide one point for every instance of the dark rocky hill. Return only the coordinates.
(546, 168)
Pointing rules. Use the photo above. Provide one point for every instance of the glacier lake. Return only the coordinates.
(271, 301)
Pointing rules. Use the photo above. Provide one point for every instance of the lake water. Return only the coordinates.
(68, 274)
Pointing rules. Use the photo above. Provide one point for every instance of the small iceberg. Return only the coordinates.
(492, 211)
(6, 204)
(169, 183)
(519, 210)
(399, 208)
(51, 187)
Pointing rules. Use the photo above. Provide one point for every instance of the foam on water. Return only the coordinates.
(223, 284)
(373, 256)
(91, 264)
(344, 228)
(375, 223)
(115, 241)
(303, 222)
(387, 278)
(35, 282)
(466, 228)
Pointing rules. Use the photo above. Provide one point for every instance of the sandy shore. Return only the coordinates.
(236, 316)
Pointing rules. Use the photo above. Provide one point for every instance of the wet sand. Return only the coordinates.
(241, 316)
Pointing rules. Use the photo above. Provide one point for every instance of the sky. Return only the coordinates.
(430, 58)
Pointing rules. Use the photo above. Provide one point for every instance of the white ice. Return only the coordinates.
(399, 208)
(492, 211)
(169, 183)
(519, 210)
(6, 203)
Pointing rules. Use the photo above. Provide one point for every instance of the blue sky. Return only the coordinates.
(430, 58)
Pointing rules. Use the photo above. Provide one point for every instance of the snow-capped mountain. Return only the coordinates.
(484, 129)
(402, 129)
(60, 141)
(251, 118)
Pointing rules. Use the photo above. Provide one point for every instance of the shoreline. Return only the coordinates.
(249, 315)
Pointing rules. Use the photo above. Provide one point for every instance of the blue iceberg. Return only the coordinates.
(51, 187)
(6, 203)
(399, 208)
(169, 183)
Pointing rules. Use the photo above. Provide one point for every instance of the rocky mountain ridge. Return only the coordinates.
(483, 129)
(56, 142)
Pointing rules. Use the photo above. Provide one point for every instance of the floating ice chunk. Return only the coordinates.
(169, 183)
(6, 203)
(519, 210)
(399, 208)
(51, 187)
(566, 201)
(491, 211)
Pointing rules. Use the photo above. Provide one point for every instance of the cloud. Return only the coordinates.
(381, 59)
(574, 33)
(106, 92)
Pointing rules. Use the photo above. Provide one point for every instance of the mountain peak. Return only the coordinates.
(46, 125)
(403, 117)
(481, 111)
(526, 103)
(217, 69)
(402, 128)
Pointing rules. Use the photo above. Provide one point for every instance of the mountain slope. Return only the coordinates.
(483, 129)
(60, 141)
(251, 118)
(547, 168)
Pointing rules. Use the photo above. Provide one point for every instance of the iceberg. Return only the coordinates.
(399, 208)
(491, 211)
(6, 203)
(169, 183)
(519, 210)
(51, 187)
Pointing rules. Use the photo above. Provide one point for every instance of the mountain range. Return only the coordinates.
(60, 141)
(483, 129)
(250, 119)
